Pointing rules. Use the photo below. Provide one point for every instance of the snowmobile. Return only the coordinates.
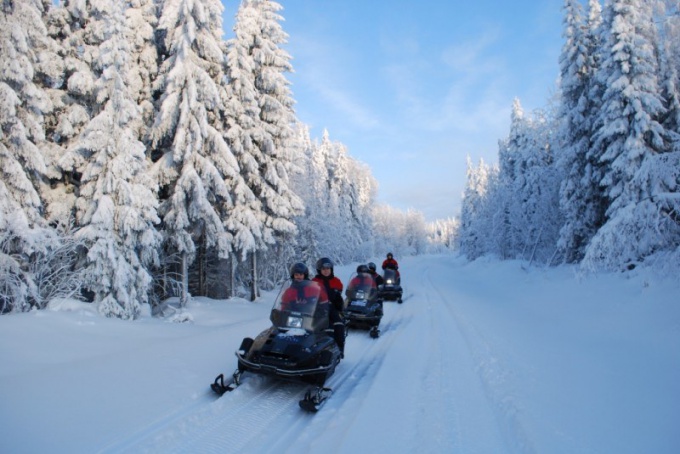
(363, 308)
(390, 289)
(299, 346)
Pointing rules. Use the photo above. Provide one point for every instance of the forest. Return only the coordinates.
(144, 156)
(593, 178)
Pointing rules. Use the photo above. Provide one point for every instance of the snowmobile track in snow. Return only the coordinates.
(245, 413)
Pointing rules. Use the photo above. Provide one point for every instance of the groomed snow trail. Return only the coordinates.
(446, 393)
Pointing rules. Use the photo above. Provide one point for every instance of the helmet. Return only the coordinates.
(299, 267)
(324, 262)
(389, 255)
(362, 269)
(371, 266)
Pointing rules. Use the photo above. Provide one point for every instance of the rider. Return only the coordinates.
(391, 263)
(376, 277)
(291, 298)
(333, 286)
(363, 277)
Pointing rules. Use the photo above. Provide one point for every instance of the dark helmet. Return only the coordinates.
(324, 262)
(362, 269)
(299, 267)
(389, 255)
(371, 266)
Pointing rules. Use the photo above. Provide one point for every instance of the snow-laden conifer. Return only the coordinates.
(579, 191)
(628, 136)
(266, 122)
(195, 166)
(142, 20)
(23, 105)
(116, 209)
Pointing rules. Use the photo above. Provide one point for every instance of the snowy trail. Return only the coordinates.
(481, 357)
(262, 415)
(443, 366)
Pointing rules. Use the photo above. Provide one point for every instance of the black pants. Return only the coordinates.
(336, 321)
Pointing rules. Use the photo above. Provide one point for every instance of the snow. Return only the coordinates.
(483, 357)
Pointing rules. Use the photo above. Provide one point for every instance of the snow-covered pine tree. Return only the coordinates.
(194, 165)
(23, 105)
(142, 20)
(579, 192)
(78, 31)
(628, 134)
(116, 208)
(266, 165)
(242, 121)
(309, 223)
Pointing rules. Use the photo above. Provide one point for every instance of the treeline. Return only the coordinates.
(594, 178)
(143, 156)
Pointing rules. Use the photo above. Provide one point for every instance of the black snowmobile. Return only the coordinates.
(390, 289)
(299, 346)
(363, 308)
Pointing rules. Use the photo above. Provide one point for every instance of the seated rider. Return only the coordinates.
(362, 281)
(300, 295)
(391, 263)
(376, 277)
(363, 278)
(333, 288)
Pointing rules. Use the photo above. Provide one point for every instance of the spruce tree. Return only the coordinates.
(194, 165)
(116, 208)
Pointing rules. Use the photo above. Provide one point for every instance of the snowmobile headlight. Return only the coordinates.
(294, 322)
(360, 295)
(389, 281)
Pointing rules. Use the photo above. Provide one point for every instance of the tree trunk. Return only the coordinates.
(232, 276)
(202, 267)
(253, 271)
(184, 297)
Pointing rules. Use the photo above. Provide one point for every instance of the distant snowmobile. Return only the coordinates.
(299, 346)
(363, 308)
(391, 289)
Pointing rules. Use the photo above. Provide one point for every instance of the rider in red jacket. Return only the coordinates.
(389, 262)
(333, 286)
(392, 264)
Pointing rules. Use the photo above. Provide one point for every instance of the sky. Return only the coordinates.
(413, 88)
(483, 357)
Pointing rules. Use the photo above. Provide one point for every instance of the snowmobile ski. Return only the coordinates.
(219, 387)
(315, 398)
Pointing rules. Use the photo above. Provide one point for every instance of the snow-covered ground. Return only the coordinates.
(482, 357)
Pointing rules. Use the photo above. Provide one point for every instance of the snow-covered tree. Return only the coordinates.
(78, 30)
(116, 208)
(265, 121)
(195, 166)
(142, 20)
(580, 194)
(23, 104)
(626, 128)
(628, 134)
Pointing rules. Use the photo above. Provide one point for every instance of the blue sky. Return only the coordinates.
(412, 88)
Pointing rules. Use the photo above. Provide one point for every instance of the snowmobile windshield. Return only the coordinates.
(390, 276)
(361, 287)
(302, 305)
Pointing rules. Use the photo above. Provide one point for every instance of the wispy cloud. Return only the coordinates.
(327, 73)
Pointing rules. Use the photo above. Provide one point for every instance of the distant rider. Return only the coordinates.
(333, 287)
(391, 263)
